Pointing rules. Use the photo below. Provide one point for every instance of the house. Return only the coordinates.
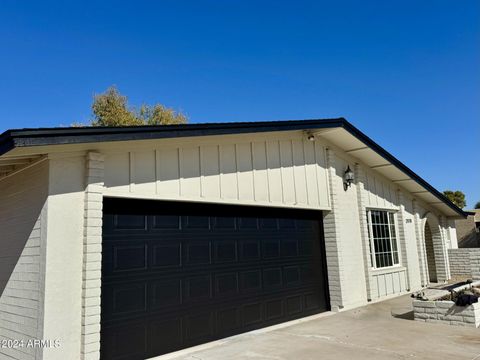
(468, 230)
(132, 242)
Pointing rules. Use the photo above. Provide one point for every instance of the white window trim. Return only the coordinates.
(372, 244)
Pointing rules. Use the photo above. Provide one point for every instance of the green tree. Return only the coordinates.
(111, 109)
(456, 197)
(477, 205)
(160, 115)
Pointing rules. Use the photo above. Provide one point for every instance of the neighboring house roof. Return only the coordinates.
(338, 131)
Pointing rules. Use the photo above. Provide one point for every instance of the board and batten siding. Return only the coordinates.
(390, 281)
(287, 172)
(21, 304)
(380, 192)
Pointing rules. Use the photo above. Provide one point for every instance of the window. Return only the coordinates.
(383, 238)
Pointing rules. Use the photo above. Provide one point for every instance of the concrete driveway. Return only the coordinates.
(378, 331)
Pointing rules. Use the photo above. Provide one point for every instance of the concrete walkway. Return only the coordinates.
(378, 331)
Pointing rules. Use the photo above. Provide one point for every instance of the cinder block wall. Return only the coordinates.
(465, 262)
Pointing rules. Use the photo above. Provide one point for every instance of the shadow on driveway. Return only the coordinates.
(384, 330)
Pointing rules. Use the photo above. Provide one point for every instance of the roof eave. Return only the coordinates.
(55, 136)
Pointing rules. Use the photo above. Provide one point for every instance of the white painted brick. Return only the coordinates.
(93, 197)
(469, 319)
(88, 283)
(90, 329)
(95, 164)
(92, 248)
(94, 355)
(421, 316)
(91, 292)
(27, 303)
(91, 310)
(94, 239)
(94, 156)
(454, 317)
(92, 275)
(92, 347)
(94, 205)
(428, 304)
(92, 265)
(95, 222)
(90, 343)
(92, 301)
(92, 338)
(92, 257)
(444, 304)
(92, 319)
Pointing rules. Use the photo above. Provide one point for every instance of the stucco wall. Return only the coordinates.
(64, 256)
(22, 208)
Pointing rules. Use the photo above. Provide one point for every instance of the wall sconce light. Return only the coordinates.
(348, 178)
(311, 137)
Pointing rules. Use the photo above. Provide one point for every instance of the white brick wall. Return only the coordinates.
(23, 199)
(348, 239)
(419, 233)
(402, 239)
(370, 282)
(92, 257)
(331, 226)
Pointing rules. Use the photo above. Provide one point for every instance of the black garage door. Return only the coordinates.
(180, 274)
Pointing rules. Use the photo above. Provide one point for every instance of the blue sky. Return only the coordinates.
(407, 73)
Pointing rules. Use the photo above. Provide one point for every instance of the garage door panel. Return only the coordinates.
(228, 320)
(129, 257)
(225, 251)
(197, 252)
(164, 335)
(252, 314)
(166, 222)
(127, 341)
(183, 274)
(129, 222)
(197, 288)
(251, 281)
(199, 327)
(249, 250)
(274, 309)
(166, 292)
(271, 248)
(226, 284)
(167, 254)
(294, 304)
